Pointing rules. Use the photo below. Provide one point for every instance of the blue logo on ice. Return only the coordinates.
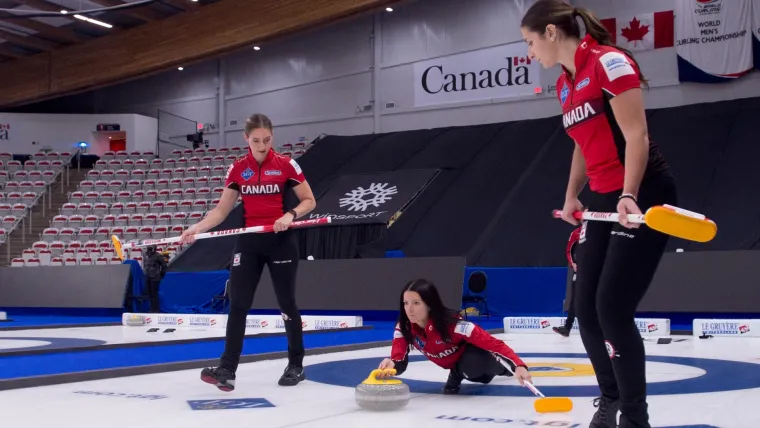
(238, 403)
(247, 174)
(565, 92)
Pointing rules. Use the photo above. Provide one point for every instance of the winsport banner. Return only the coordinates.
(371, 198)
(713, 39)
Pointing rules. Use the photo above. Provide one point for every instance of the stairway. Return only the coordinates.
(22, 238)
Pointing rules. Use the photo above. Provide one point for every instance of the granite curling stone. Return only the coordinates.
(382, 394)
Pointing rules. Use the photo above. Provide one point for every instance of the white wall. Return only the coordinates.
(318, 82)
(146, 133)
(62, 132)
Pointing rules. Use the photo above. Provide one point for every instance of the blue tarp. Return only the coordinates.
(138, 286)
(192, 292)
(522, 291)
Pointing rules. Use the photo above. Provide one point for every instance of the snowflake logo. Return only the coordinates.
(360, 198)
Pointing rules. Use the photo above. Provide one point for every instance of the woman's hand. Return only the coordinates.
(283, 223)
(522, 374)
(188, 236)
(627, 206)
(571, 206)
(386, 364)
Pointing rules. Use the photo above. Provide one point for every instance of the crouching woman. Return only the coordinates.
(439, 333)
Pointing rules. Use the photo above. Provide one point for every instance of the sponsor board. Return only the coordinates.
(543, 325)
(726, 327)
(269, 322)
(3, 316)
(238, 403)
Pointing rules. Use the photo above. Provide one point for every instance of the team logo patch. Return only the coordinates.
(247, 174)
(419, 342)
(236, 260)
(564, 93)
(273, 172)
(295, 166)
(616, 65)
(583, 83)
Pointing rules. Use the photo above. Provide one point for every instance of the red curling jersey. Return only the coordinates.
(602, 73)
(446, 354)
(262, 187)
(569, 251)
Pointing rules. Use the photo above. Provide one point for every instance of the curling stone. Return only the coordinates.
(382, 394)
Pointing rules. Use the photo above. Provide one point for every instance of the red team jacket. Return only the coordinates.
(446, 355)
(262, 186)
(602, 73)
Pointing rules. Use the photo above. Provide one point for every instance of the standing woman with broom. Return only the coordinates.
(599, 90)
(262, 176)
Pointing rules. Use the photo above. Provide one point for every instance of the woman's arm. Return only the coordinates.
(218, 214)
(628, 108)
(306, 196)
(577, 179)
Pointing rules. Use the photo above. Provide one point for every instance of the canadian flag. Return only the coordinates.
(644, 31)
(520, 60)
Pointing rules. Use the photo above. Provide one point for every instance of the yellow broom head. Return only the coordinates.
(553, 405)
(681, 223)
(117, 247)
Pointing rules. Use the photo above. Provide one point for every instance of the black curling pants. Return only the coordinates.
(479, 365)
(615, 268)
(279, 251)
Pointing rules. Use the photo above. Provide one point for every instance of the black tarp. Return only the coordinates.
(498, 183)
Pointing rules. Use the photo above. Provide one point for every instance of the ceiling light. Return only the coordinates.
(256, 48)
(64, 12)
(180, 68)
(389, 9)
(93, 21)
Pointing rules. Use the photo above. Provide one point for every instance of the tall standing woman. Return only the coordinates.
(599, 89)
(262, 176)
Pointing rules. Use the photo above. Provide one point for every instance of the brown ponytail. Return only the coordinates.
(563, 16)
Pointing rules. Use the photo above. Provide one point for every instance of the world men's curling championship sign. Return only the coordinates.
(714, 39)
(371, 198)
(497, 72)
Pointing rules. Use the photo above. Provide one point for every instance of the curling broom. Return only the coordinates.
(543, 404)
(667, 219)
(119, 247)
(550, 404)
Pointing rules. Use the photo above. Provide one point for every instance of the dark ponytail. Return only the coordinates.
(563, 16)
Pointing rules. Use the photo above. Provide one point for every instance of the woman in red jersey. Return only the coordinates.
(261, 177)
(439, 333)
(599, 90)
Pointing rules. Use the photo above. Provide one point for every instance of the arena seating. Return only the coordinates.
(135, 196)
(23, 184)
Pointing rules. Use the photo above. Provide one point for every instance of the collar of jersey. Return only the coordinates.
(582, 53)
(270, 155)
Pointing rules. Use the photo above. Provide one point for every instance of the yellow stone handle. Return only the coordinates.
(373, 380)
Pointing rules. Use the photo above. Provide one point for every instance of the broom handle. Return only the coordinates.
(229, 232)
(600, 216)
(534, 389)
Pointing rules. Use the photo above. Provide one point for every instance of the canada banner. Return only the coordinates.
(714, 40)
(642, 32)
(497, 72)
(371, 198)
